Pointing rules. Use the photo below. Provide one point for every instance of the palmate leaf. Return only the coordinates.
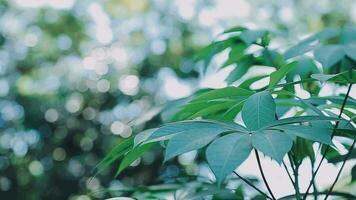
(258, 110)
(227, 153)
(272, 143)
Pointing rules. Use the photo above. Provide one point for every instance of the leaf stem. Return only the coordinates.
(253, 186)
(289, 175)
(327, 148)
(263, 175)
(296, 178)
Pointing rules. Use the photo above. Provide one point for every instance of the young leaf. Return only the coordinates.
(190, 140)
(272, 143)
(226, 153)
(278, 75)
(329, 55)
(259, 110)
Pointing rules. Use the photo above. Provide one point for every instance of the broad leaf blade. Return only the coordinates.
(169, 130)
(227, 153)
(190, 140)
(259, 110)
(329, 55)
(272, 143)
(317, 134)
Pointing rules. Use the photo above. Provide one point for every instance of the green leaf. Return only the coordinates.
(343, 77)
(278, 75)
(235, 29)
(247, 83)
(347, 35)
(327, 33)
(301, 149)
(299, 119)
(298, 49)
(353, 174)
(350, 51)
(236, 53)
(190, 140)
(226, 153)
(215, 103)
(259, 110)
(118, 151)
(251, 36)
(241, 68)
(132, 155)
(226, 92)
(142, 136)
(169, 130)
(272, 143)
(322, 135)
(329, 55)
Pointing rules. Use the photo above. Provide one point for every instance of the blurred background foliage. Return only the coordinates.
(77, 77)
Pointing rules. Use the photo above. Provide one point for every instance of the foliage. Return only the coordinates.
(274, 120)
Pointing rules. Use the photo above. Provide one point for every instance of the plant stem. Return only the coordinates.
(263, 175)
(327, 148)
(339, 194)
(296, 178)
(315, 189)
(250, 184)
(290, 177)
(342, 167)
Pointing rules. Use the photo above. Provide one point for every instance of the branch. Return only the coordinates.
(327, 148)
(263, 175)
(250, 184)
